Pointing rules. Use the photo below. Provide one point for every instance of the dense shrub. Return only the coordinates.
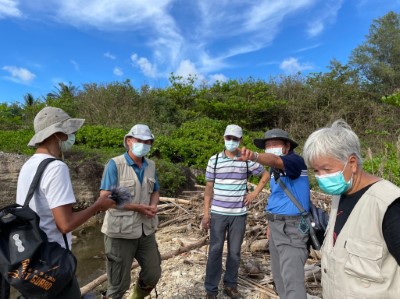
(98, 136)
(173, 178)
(16, 141)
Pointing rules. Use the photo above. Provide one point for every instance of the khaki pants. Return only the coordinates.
(120, 254)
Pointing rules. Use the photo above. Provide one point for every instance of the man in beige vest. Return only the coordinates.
(130, 230)
(361, 251)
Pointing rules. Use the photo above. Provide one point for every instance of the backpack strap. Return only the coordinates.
(36, 179)
(215, 167)
(35, 182)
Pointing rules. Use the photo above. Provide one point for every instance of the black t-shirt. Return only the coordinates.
(390, 224)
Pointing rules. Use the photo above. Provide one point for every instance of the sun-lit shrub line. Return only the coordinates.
(188, 147)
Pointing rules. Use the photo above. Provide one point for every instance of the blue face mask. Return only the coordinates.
(66, 145)
(140, 149)
(231, 145)
(334, 183)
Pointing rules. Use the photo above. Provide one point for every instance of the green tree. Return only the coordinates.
(378, 58)
(250, 104)
(64, 97)
(31, 108)
(114, 104)
(10, 116)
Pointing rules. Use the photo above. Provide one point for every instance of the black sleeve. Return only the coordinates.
(293, 164)
(391, 229)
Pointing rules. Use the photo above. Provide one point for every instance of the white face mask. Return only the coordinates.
(66, 145)
(274, 150)
(140, 149)
(231, 145)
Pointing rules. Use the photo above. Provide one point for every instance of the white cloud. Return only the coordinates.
(109, 55)
(291, 65)
(9, 8)
(118, 71)
(19, 74)
(315, 28)
(187, 68)
(308, 48)
(217, 77)
(75, 64)
(326, 15)
(145, 66)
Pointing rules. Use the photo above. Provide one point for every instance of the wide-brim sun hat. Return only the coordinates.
(274, 134)
(51, 120)
(139, 131)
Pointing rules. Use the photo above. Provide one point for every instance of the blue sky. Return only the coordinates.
(45, 42)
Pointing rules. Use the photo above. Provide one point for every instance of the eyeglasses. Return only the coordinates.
(229, 138)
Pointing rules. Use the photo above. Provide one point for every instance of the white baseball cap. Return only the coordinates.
(233, 130)
(139, 131)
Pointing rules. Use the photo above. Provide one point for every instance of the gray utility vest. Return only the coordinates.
(129, 224)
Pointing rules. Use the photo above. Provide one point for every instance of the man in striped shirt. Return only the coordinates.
(226, 198)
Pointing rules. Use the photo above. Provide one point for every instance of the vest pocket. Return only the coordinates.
(130, 184)
(150, 183)
(121, 222)
(364, 260)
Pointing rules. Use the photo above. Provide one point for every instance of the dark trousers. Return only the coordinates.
(233, 228)
(120, 254)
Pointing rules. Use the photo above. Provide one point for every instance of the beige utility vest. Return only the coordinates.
(129, 224)
(360, 265)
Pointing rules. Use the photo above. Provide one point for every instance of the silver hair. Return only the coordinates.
(337, 141)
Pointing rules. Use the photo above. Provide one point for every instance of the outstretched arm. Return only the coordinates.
(67, 220)
(270, 160)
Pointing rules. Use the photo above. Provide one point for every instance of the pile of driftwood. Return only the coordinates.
(184, 214)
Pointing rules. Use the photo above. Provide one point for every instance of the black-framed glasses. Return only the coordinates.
(229, 138)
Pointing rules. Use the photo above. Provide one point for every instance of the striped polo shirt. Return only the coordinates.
(230, 182)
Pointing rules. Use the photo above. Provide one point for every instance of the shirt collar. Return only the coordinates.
(223, 155)
(132, 163)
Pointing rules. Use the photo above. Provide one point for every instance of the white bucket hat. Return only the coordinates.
(51, 120)
(139, 131)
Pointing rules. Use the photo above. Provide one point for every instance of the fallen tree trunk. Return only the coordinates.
(99, 280)
(175, 200)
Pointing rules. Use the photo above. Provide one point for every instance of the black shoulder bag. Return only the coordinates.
(30, 263)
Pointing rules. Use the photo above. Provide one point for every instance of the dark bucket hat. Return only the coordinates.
(274, 134)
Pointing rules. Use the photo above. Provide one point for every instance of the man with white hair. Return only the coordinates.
(53, 200)
(361, 251)
(130, 230)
